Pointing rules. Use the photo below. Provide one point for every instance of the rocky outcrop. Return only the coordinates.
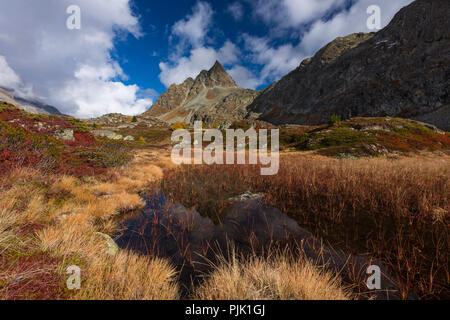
(114, 121)
(213, 97)
(64, 134)
(173, 98)
(111, 135)
(402, 71)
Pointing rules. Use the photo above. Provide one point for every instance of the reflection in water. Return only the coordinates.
(189, 240)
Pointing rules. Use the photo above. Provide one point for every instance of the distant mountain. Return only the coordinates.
(212, 97)
(402, 70)
(27, 105)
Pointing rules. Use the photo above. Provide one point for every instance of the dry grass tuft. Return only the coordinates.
(129, 276)
(69, 211)
(278, 277)
(394, 208)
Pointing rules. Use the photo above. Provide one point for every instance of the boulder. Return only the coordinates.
(65, 134)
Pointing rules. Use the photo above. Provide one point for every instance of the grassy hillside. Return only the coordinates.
(396, 209)
(365, 137)
(54, 144)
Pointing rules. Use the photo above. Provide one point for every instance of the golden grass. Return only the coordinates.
(7, 222)
(129, 276)
(395, 208)
(278, 277)
(71, 211)
(323, 194)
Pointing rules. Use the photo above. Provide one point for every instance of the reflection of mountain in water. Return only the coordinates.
(189, 240)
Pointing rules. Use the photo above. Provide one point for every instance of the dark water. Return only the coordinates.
(191, 242)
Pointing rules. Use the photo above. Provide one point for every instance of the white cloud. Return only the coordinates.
(92, 90)
(199, 59)
(60, 63)
(236, 10)
(244, 77)
(292, 13)
(278, 60)
(275, 61)
(347, 22)
(93, 93)
(194, 28)
(8, 78)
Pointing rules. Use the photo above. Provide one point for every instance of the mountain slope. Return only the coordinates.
(403, 70)
(212, 97)
(27, 105)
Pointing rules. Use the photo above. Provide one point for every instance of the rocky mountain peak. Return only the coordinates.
(212, 97)
(217, 76)
(219, 71)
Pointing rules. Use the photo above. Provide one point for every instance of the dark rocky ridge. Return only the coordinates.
(401, 71)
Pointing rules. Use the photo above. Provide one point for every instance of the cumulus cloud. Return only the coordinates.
(175, 72)
(244, 77)
(8, 78)
(236, 10)
(347, 22)
(97, 87)
(292, 13)
(278, 60)
(275, 61)
(61, 64)
(192, 55)
(192, 30)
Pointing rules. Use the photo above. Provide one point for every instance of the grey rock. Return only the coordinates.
(107, 134)
(247, 196)
(66, 134)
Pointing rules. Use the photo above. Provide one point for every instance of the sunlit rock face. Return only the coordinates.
(213, 97)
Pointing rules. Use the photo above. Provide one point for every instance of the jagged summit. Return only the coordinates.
(213, 96)
(218, 76)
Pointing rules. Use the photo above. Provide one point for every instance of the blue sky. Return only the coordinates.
(127, 52)
(230, 20)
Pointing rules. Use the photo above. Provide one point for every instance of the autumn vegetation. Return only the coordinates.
(394, 208)
(56, 195)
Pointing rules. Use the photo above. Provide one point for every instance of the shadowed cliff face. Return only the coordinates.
(212, 97)
(403, 70)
